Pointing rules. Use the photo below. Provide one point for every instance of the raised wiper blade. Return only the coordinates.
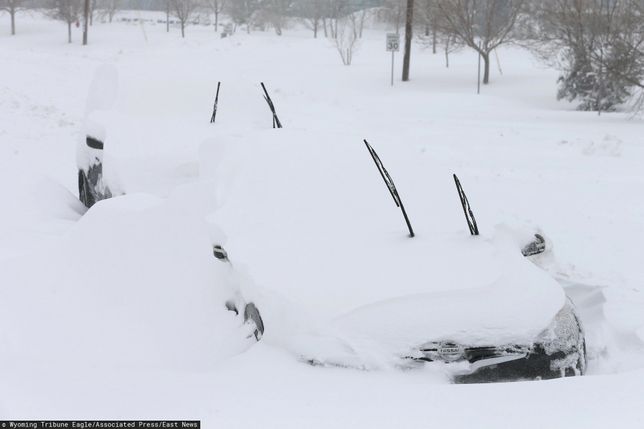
(391, 186)
(276, 121)
(214, 109)
(467, 210)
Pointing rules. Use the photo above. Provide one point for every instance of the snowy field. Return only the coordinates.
(123, 332)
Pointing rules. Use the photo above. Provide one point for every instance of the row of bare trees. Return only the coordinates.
(481, 25)
(597, 45)
(68, 11)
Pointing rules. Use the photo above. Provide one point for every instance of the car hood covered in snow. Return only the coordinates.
(360, 286)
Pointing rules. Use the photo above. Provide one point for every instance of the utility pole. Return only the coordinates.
(86, 22)
(409, 20)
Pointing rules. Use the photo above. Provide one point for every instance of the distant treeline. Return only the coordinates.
(162, 4)
(123, 4)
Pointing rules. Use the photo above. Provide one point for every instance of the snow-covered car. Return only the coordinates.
(359, 288)
(111, 119)
(475, 308)
(132, 287)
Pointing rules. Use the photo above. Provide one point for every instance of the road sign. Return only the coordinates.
(393, 42)
(393, 45)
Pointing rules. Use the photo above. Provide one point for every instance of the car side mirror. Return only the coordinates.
(220, 253)
(535, 247)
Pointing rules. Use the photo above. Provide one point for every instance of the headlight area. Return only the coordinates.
(564, 341)
(558, 351)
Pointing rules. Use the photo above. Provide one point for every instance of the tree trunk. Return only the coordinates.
(409, 21)
(85, 22)
(183, 29)
(13, 22)
(69, 32)
(167, 16)
(326, 33)
(216, 22)
(315, 28)
(434, 40)
(486, 66)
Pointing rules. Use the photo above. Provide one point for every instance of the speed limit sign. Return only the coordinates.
(393, 45)
(393, 42)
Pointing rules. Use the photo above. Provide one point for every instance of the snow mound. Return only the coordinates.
(133, 285)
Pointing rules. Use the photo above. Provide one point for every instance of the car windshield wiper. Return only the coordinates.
(390, 185)
(467, 210)
(276, 121)
(214, 108)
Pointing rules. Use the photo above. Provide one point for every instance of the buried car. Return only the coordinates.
(473, 307)
(114, 120)
(131, 287)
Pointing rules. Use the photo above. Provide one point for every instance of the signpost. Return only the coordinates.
(393, 45)
(478, 81)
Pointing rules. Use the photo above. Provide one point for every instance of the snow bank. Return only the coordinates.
(133, 285)
(507, 145)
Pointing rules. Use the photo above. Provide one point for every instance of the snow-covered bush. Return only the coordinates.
(591, 84)
(597, 47)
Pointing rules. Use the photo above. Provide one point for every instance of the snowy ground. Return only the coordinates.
(523, 157)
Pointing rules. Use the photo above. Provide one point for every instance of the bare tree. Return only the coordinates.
(447, 42)
(482, 25)
(68, 11)
(275, 13)
(11, 7)
(312, 13)
(216, 7)
(346, 40)
(184, 11)
(393, 12)
(359, 19)
(107, 8)
(426, 16)
(336, 10)
(242, 11)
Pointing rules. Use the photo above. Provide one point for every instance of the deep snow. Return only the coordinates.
(523, 158)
